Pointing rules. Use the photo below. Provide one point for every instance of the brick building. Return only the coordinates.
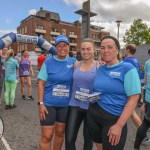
(49, 25)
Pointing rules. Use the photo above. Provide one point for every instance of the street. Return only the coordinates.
(22, 127)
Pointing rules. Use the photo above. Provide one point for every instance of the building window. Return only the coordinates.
(22, 30)
(63, 31)
(71, 33)
(41, 36)
(54, 30)
(72, 40)
(53, 38)
(25, 29)
(40, 27)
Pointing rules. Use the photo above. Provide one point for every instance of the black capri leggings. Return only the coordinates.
(99, 123)
(75, 117)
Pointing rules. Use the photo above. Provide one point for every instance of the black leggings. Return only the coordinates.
(75, 117)
(99, 123)
(142, 130)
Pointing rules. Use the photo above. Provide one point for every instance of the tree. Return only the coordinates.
(138, 34)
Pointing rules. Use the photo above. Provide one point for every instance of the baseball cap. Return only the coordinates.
(61, 38)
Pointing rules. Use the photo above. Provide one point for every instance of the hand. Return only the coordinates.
(101, 63)
(42, 112)
(114, 134)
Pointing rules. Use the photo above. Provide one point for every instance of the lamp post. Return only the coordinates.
(118, 25)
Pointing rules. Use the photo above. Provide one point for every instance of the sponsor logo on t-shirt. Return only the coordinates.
(115, 73)
(70, 66)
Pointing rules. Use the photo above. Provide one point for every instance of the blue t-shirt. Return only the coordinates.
(82, 85)
(58, 75)
(116, 83)
(147, 85)
(133, 61)
(11, 66)
(141, 74)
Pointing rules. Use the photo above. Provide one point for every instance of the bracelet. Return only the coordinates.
(40, 103)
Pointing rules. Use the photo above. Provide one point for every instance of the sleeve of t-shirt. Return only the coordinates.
(43, 73)
(132, 83)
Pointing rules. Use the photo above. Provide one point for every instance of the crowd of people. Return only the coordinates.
(100, 93)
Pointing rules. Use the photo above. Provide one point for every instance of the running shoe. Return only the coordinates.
(7, 107)
(12, 106)
(146, 140)
(23, 97)
(30, 98)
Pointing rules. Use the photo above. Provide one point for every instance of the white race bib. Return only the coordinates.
(61, 91)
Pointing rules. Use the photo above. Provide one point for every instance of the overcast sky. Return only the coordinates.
(108, 11)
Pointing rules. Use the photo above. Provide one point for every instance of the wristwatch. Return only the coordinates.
(40, 103)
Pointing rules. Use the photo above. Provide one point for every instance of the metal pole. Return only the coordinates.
(118, 25)
(89, 20)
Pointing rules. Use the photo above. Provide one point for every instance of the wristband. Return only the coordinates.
(40, 103)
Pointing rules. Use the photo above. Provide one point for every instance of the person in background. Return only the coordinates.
(40, 61)
(107, 118)
(54, 89)
(11, 66)
(25, 71)
(4, 51)
(130, 51)
(142, 130)
(83, 76)
(143, 91)
(1, 79)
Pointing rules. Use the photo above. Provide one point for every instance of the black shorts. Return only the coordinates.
(99, 123)
(25, 76)
(55, 114)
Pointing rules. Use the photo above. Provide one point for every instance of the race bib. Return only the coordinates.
(61, 91)
(26, 73)
(92, 98)
(82, 94)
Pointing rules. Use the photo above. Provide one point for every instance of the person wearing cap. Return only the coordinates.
(119, 85)
(142, 130)
(54, 89)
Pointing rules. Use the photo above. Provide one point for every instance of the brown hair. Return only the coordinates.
(22, 52)
(131, 48)
(116, 43)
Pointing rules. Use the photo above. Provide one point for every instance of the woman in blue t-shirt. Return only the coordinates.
(54, 89)
(119, 85)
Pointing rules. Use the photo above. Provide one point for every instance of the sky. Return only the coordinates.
(108, 11)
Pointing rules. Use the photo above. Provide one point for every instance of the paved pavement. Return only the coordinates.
(22, 129)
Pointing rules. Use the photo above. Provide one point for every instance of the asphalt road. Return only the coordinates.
(22, 128)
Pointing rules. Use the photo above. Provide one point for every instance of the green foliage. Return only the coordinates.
(138, 34)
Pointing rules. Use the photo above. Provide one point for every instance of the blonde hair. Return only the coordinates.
(9, 54)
